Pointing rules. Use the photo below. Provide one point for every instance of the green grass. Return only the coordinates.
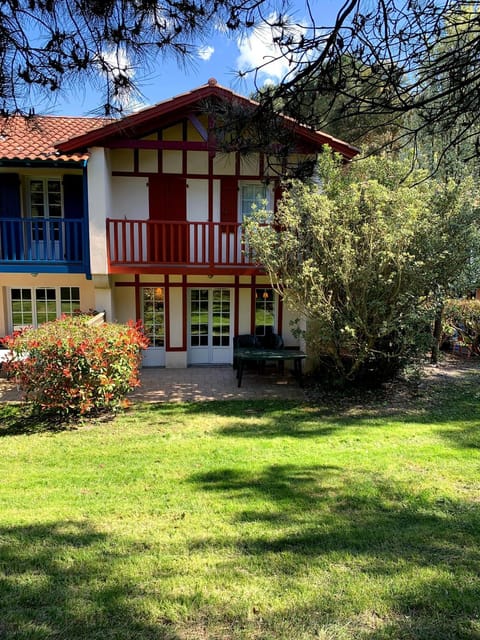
(242, 520)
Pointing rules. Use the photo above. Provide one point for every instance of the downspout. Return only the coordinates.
(86, 226)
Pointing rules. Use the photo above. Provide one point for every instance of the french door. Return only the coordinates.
(210, 326)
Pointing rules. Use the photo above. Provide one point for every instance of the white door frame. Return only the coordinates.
(210, 353)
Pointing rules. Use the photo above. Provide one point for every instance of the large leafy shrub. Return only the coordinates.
(363, 258)
(70, 366)
(461, 323)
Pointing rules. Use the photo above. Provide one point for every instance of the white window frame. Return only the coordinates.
(33, 290)
(162, 314)
(46, 205)
(258, 184)
(275, 307)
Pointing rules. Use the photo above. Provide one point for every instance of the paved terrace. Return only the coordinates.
(198, 384)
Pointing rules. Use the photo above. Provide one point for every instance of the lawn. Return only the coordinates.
(243, 520)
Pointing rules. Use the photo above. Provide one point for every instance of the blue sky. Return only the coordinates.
(218, 58)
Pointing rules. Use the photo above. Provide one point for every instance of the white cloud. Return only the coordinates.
(120, 66)
(258, 51)
(205, 53)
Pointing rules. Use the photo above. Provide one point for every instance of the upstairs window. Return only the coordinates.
(254, 194)
(45, 206)
(45, 198)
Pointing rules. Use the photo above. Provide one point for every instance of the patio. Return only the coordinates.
(197, 384)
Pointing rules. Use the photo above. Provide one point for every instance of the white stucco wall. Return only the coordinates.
(176, 317)
(99, 207)
(129, 198)
(244, 310)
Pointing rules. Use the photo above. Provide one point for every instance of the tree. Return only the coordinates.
(47, 45)
(364, 258)
(378, 62)
(384, 60)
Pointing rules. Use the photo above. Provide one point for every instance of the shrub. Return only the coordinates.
(364, 259)
(461, 322)
(70, 367)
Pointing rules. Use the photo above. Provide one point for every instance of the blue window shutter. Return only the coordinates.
(10, 195)
(73, 208)
(73, 196)
(10, 232)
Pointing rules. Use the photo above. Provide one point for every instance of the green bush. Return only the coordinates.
(70, 367)
(461, 323)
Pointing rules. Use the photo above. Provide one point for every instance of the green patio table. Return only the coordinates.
(243, 355)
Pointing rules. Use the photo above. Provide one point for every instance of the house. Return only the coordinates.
(141, 218)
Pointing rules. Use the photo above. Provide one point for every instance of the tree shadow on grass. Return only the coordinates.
(64, 580)
(416, 556)
(19, 420)
(16, 420)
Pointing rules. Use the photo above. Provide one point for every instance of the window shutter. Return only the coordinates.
(167, 196)
(229, 200)
(73, 208)
(10, 195)
(73, 196)
(10, 232)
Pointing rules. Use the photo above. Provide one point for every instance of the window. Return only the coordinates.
(45, 203)
(199, 318)
(31, 307)
(45, 198)
(264, 311)
(69, 300)
(253, 194)
(22, 308)
(221, 318)
(45, 305)
(154, 315)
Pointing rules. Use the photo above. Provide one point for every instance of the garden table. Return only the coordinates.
(254, 354)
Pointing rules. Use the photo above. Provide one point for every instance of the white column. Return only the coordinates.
(103, 296)
(99, 207)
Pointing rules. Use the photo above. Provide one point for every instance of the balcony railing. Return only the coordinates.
(151, 243)
(49, 244)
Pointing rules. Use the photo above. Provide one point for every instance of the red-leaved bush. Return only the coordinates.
(72, 367)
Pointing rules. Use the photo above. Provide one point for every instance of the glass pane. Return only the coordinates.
(264, 311)
(21, 308)
(69, 300)
(252, 194)
(199, 317)
(36, 186)
(221, 318)
(37, 202)
(37, 211)
(153, 315)
(45, 305)
(55, 211)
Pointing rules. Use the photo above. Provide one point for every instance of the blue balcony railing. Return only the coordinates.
(50, 245)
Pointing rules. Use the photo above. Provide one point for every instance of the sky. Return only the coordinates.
(218, 58)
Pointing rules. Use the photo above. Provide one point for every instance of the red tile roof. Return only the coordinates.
(34, 138)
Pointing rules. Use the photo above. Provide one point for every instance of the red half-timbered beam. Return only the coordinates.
(169, 145)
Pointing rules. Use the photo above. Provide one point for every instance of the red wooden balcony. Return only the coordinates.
(149, 245)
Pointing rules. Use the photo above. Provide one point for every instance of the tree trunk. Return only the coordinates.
(437, 334)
